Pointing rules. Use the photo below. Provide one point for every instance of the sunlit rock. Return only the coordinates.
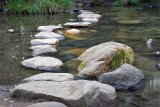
(73, 31)
(92, 20)
(126, 77)
(44, 51)
(41, 47)
(57, 77)
(80, 93)
(77, 24)
(43, 63)
(11, 30)
(85, 15)
(49, 28)
(51, 41)
(47, 104)
(104, 57)
(47, 35)
(129, 21)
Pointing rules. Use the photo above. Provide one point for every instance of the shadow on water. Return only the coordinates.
(130, 26)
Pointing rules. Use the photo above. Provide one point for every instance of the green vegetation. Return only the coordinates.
(126, 2)
(82, 65)
(37, 6)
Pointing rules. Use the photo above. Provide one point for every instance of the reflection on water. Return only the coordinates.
(14, 46)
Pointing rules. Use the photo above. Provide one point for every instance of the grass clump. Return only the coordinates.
(37, 6)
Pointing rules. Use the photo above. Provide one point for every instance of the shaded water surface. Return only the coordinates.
(130, 26)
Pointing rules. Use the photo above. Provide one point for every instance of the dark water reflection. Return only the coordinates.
(14, 46)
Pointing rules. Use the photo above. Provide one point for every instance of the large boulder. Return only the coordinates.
(127, 77)
(43, 63)
(77, 24)
(48, 104)
(50, 77)
(47, 35)
(52, 41)
(44, 51)
(80, 93)
(104, 57)
(49, 28)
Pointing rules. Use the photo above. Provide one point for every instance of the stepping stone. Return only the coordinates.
(47, 35)
(80, 93)
(73, 31)
(78, 24)
(86, 11)
(91, 20)
(52, 41)
(44, 51)
(82, 16)
(41, 47)
(48, 104)
(57, 77)
(49, 28)
(43, 63)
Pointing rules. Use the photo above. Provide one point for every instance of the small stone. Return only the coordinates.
(85, 15)
(91, 20)
(11, 30)
(52, 41)
(48, 35)
(57, 77)
(49, 28)
(59, 32)
(72, 20)
(44, 51)
(43, 63)
(48, 104)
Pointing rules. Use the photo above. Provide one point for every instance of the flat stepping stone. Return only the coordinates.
(44, 51)
(80, 93)
(49, 28)
(43, 63)
(47, 35)
(48, 104)
(91, 20)
(57, 77)
(73, 31)
(52, 41)
(82, 16)
(78, 24)
(41, 47)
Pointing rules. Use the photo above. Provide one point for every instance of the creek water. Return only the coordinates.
(130, 26)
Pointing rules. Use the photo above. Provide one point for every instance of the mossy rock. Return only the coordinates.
(105, 57)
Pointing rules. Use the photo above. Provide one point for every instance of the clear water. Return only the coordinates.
(14, 47)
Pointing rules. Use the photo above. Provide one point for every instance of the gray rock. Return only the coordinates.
(88, 15)
(44, 51)
(43, 63)
(49, 28)
(77, 24)
(51, 41)
(47, 35)
(48, 104)
(80, 93)
(57, 77)
(41, 47)
(104, 57)
(127, 77)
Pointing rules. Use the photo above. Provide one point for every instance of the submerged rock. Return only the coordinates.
(47, 35)
(41, 47)
(130, 21)
(52, 41)
(77, 51)
(43, 63)
(49, 28)
(126, 77)
(80, 93)
(77, 24)
(44, 51)
(57, 77)
(48, 104)
(103, 58)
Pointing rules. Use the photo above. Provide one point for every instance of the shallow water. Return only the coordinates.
(130, 26)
